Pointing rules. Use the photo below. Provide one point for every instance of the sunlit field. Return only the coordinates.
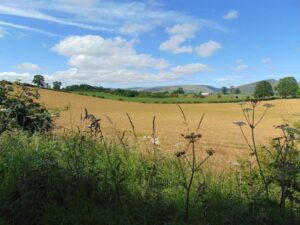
(218, 129)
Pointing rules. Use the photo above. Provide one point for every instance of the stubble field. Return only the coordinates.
(217, 129)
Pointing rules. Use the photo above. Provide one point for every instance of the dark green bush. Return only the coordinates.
(19, 109)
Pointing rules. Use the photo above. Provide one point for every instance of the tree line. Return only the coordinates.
(286, 87)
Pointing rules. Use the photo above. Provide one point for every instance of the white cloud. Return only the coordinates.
(191, 69)
(97, 60)
(242, 67)
(123, 16)
(265, 60)
(28, 67)
(209, 48)
(24, 77)
(231, 15)
(36, 14)
(179, 34)
(21, 27)
(135, 28)
(90, 51)
(228, 78)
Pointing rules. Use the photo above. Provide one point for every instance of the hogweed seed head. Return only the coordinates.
(210, 151)
(268, 105)
(239, 123)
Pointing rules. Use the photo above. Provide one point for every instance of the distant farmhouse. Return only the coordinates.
(205, 94)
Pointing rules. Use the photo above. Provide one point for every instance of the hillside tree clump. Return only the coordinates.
(224, 90)
(178, 91)
(56, 85)
(263, 89)
(287, 86)
(39, 81)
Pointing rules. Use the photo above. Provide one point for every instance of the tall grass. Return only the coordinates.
(75, 179)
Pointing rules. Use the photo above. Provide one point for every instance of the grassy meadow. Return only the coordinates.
(188, 98)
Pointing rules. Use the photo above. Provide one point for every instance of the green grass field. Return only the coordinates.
(166, 100)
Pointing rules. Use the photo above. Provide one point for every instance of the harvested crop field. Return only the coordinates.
(217, 129)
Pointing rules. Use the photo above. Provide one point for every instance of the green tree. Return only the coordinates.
(39, 80)
(263, 89)
(287, 86)
(224, 90)
(56, 85)
(231, 89)
(237, 91)
(178, 91)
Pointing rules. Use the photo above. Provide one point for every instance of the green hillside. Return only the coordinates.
(186, 88)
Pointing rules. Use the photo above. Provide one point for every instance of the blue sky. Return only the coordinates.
(149, 43)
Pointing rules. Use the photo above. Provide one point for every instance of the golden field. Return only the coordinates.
(217, 129)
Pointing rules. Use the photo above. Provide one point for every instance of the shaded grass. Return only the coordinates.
(47, 179)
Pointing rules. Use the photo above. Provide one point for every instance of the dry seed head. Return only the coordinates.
(210, 151)
(239, 123)
(268, 105)
(180, 154)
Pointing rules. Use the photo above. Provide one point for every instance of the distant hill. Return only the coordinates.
(249, 88)
(245, 88)
(186, 88)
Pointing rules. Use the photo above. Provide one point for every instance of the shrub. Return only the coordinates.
(19, 109)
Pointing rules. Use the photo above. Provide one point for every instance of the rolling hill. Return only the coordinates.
(186, 88)
(245, 88)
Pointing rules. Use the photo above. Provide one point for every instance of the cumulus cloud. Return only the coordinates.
(98, 60)
(231, 15)
(209, 48)
(24, 77)
(28, 67)
(93, 52)
(179, 34)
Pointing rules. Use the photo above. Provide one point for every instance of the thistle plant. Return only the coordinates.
(252, 121)
(188, 158)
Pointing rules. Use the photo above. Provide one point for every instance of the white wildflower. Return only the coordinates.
(155, 141)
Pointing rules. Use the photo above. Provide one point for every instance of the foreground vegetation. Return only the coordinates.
(75, 179)
(92, 177)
